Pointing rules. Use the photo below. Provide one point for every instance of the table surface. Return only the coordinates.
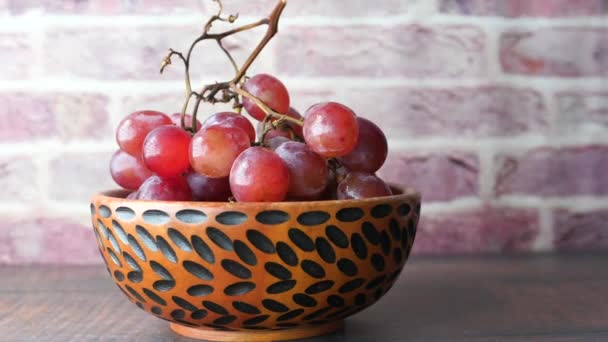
(484, 298)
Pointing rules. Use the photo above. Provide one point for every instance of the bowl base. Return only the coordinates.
(256, 336)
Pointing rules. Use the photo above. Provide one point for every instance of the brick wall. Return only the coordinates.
(496, 109)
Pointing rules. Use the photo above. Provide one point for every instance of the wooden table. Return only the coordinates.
(488, 298)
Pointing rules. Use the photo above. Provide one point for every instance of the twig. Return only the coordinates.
(231, 90)
(265, 108)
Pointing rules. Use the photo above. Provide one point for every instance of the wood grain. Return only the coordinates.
(489, 298)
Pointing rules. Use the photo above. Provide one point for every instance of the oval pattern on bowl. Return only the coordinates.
(254, 267)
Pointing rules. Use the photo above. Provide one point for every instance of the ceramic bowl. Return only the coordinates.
(255, 271)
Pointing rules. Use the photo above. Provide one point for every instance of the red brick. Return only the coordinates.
(392, 51)
(104, 7)
(553, 171)
(487, 229)
(576, 230)
(34, 116)
(423, 170)
(582, 112)
(26, 116)
(549, 52)
(16, 52)
(77, 176)
(82, 117)
(18, 180)
(136, 52)
(525, 8)
(107, 53)
(473, 112)
(299, 8)
(47, 240)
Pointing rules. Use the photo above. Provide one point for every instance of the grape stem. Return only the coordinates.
(334, 164)
(265, 108)
(229, 90)
(268, 126)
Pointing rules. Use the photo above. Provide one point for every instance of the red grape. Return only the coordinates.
(330, 129)
(127, 171)
(176, 118)
(274, 142)
(362, 185)
(371, 149)
(208, 189)
(270, 91)
(259, 175)
(165, 189)
(231, 119)
(166, 151)
(281, 131)
(214, 149)
(307, 171)
(134, 128)
(297, 129)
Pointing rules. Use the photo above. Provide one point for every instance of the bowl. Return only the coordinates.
(255, 271)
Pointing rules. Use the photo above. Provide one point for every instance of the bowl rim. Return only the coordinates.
(407, 192)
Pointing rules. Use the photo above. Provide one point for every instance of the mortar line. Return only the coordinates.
(414, 17)
(544, 240)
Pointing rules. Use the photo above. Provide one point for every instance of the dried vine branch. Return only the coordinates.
(228, 91)
(264, 107)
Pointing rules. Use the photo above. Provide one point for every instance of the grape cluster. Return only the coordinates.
(329, 153)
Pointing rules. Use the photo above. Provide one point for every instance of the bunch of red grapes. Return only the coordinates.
(333, 155)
